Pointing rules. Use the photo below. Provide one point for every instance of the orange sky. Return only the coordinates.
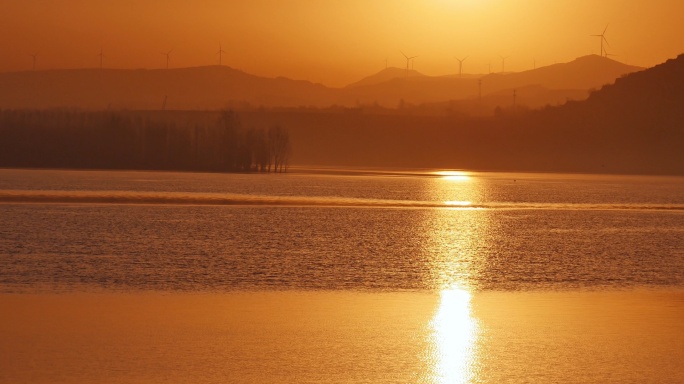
(334, 42)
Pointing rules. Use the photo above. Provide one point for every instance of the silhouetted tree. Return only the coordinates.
(136, 140)
(279, 147)
(230, 126)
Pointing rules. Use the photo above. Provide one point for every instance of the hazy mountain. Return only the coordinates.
(532, 96)
(586, 72)
(217, 87)
(386, 74)
(414, 90)
(526, 97)
(660, 89)
(635, 125)
(186, 88)
(581, 74)
(647, 101)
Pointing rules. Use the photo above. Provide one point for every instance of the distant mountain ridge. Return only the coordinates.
(584, 73)
(386, 74)
(650, 100)
(216, 87)
(210, 87)
(634, 126)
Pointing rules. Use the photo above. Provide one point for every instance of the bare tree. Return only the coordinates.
(279, 148)
(230, 126)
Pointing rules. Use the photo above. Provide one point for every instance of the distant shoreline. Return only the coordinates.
(360, 171)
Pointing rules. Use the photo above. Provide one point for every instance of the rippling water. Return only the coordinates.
(196, 232)
(340, 276)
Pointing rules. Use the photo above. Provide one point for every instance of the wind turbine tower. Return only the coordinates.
(602, 36)
(503, 63)
(220, 54)
(168, 57)
(460, 65)
(34, 56)
(101, 55)
(408, 61)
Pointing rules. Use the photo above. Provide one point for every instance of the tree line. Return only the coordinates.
(134, 140)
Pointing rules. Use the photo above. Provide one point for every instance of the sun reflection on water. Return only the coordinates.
(458, 176)
(456, 203)
(457, 236)
(454, 335)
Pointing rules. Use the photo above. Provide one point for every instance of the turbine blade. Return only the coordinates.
(604, 31)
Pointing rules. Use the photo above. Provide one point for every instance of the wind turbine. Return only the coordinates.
(408, 61)
(101, 55)
(602, 36)
(503, 63)
(460, 65)
(220, 53)
(168, 56)
(34, 55)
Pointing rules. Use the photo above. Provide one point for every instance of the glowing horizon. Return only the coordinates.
(334, 44)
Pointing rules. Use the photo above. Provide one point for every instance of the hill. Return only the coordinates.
(582, 74)
(585, 72)
(211, 87)
(216, 87)
(634, 126)
(386, 74)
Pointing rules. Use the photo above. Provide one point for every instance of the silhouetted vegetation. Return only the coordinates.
(633, 126)
(138, 140)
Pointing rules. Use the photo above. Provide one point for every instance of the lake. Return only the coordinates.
(340, 276)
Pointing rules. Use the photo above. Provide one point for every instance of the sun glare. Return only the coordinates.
(457, 236)
(456, 203)
(454, 337)
(454, 175)
(462, 4)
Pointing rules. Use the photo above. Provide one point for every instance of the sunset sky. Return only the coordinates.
(334, 42)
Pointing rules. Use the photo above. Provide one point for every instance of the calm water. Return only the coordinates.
(340, 277)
